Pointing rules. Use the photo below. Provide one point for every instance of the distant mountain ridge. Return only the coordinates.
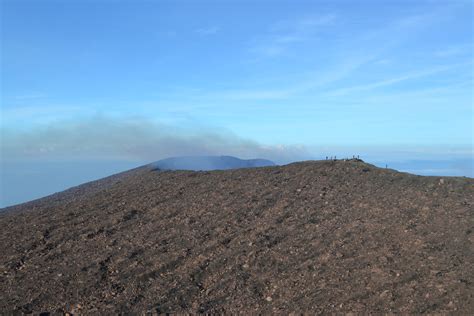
(207, 163)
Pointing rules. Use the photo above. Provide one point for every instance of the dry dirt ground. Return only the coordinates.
(316, 237)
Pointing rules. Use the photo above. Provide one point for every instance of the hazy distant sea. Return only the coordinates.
(25, 181)
(455, 167)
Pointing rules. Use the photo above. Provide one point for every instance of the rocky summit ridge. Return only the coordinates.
(316, 237)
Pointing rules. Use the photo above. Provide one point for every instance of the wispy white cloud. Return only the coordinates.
(423, 97)
(368, 47)
(391, 81)
(455, 51)
(304, 24)
(283, 34)
(32, 115)
(308, 82)
(251, 94)
(168, 33)
(382, 61)
(207, 30)
(28, 96)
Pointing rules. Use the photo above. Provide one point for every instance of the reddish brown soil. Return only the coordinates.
(317, 237)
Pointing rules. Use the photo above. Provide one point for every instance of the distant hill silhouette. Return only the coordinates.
(206, 163)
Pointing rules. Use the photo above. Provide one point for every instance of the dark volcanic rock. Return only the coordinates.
(316, 237)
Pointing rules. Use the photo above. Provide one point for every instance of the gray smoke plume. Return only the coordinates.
(134, 139)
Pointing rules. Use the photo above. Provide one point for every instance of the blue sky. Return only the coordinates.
(141, 80)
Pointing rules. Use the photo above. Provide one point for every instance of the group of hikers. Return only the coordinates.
(334, 157)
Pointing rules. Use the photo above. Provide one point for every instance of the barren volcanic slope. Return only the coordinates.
(310, 237)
